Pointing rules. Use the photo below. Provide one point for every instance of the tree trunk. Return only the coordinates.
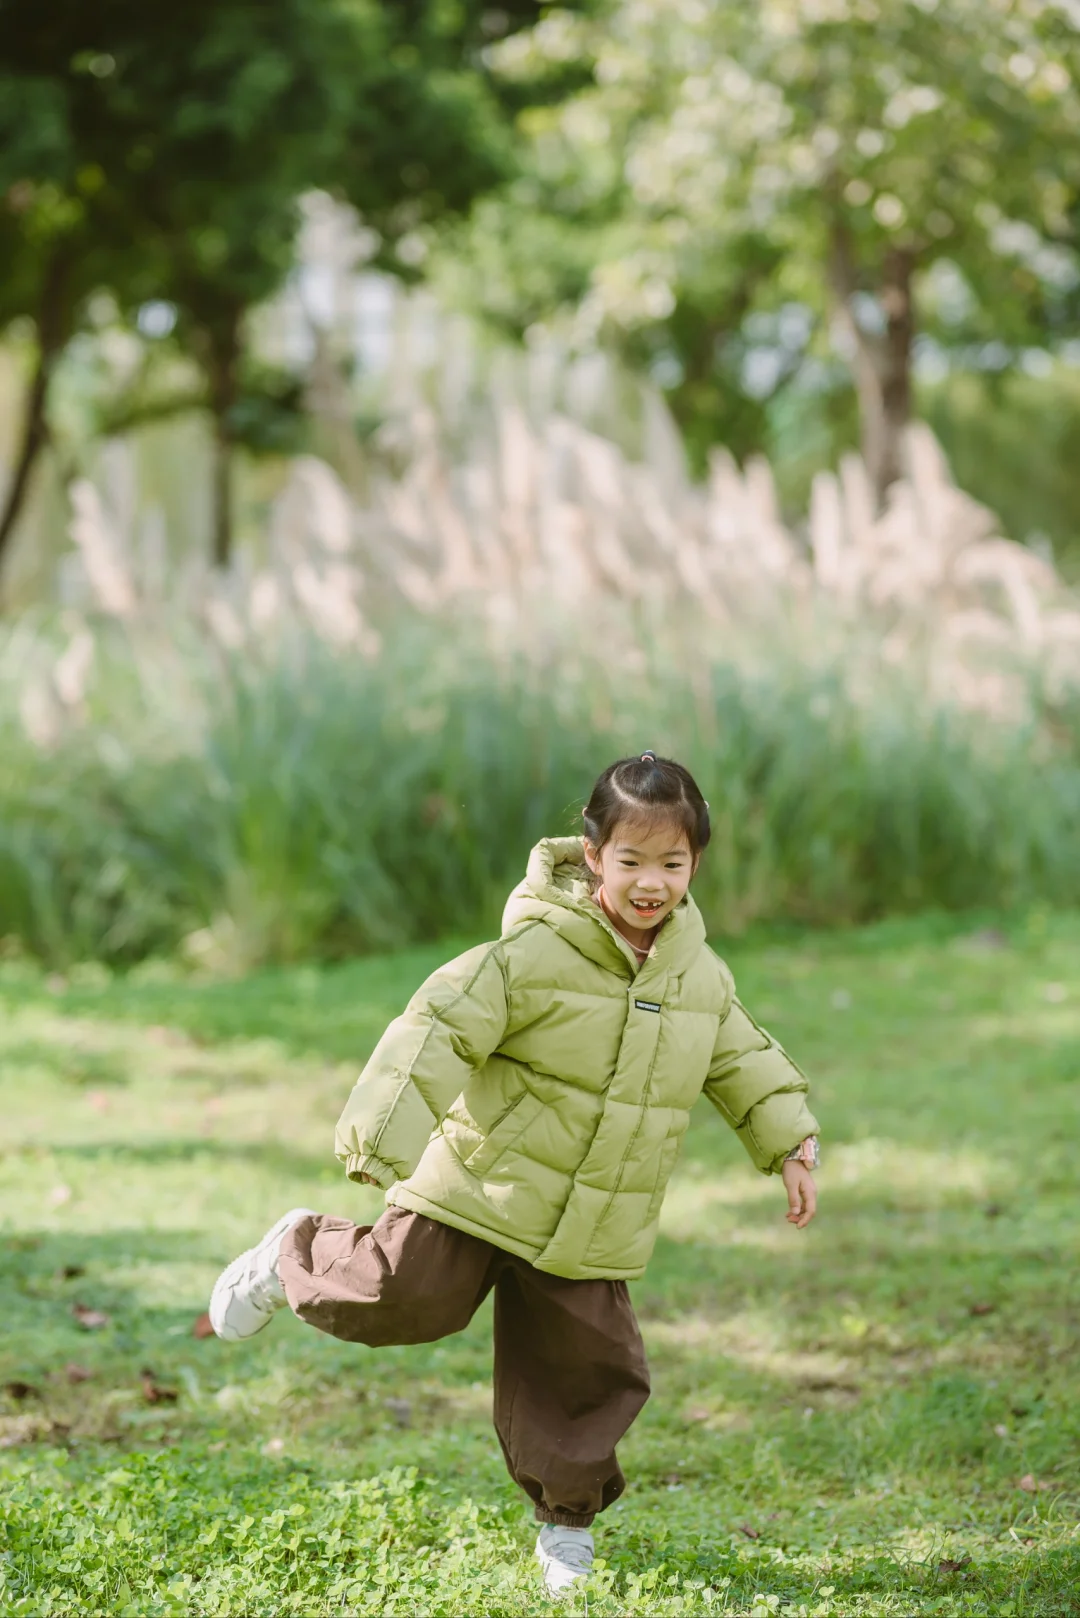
(53, 327)
(881, 359)
(222, 495)
(224, 362)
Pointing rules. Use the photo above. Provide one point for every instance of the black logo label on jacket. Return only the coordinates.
(647, 1005)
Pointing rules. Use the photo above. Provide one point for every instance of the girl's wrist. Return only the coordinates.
(808, 1153)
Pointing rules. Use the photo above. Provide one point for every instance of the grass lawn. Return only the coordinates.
(879, 1416)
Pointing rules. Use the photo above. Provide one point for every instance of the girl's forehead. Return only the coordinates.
(655, 837)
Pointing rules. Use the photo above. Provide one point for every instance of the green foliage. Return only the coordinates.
(161, 154)
(729, 163)
(280, 803)
(1014, 442)
(842, 1423)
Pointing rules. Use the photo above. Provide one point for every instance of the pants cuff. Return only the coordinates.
(565, 1519)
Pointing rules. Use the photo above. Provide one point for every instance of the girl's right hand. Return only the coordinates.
(801, 1191)
(365, 1179)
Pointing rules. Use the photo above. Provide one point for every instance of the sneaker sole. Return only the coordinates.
(221, 1296)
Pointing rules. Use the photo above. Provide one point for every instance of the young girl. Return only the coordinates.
(523, 1116)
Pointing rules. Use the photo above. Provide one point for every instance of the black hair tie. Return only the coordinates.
(648, 757)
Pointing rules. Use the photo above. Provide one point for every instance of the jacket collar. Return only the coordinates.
(557, 891)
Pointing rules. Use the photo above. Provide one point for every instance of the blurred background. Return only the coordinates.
(407, 404)
(406, 407)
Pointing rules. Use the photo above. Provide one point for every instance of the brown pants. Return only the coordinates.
(570, 1371)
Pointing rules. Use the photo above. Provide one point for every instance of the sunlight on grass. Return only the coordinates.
(695, 1207)
(924, 1177)
(873, 1419)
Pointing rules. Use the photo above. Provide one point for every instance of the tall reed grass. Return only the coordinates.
(302, 800)
(352, 739)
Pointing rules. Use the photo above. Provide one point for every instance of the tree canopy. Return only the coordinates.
(819, 156)
(161, 153)
(747, 200)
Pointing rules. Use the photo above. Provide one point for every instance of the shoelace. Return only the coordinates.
(262, 1290)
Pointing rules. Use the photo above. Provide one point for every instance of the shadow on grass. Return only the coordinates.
(282, 1160)
(336, 1012)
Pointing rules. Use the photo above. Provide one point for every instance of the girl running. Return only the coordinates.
(523, 1116)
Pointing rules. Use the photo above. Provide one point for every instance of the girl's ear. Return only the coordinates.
(592, 857)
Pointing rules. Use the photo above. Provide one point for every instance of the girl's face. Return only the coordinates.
(645, 870)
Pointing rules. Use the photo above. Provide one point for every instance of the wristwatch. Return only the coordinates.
(808, 1152)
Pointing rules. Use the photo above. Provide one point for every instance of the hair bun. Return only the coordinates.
(648, 757)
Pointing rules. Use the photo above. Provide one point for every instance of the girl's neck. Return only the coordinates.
(640, 939)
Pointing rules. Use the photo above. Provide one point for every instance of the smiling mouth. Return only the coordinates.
(647, 907)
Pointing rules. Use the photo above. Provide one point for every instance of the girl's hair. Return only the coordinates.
(647, 788)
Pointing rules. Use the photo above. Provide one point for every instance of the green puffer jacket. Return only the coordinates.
(536, 1091)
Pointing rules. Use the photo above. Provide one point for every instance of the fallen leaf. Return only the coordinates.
(202, 1327)
(77, 1373)
(21, 1390)
(22, 1430)
(954, 1567)
(982, 1308)
(89, 1319)
(1031, 1485)
(154, 1393)
(751, 1533)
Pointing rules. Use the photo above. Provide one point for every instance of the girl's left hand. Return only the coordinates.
(801, 1192)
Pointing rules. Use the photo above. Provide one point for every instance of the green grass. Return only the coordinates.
(295, 801)
(840, 1422)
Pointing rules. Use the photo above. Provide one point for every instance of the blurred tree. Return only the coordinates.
(60, 235)
(160, 152)
(823, 155)
(380, 103)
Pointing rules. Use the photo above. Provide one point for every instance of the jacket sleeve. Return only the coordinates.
(756, 1086)
(419, 1067)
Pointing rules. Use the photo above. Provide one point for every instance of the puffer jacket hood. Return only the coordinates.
(536, 1091)
(557, 891)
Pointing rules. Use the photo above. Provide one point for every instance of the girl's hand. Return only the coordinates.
(365, 1179)
(801, 1193)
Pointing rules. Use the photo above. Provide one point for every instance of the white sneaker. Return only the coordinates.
(249, 1291)
(565, 1554)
